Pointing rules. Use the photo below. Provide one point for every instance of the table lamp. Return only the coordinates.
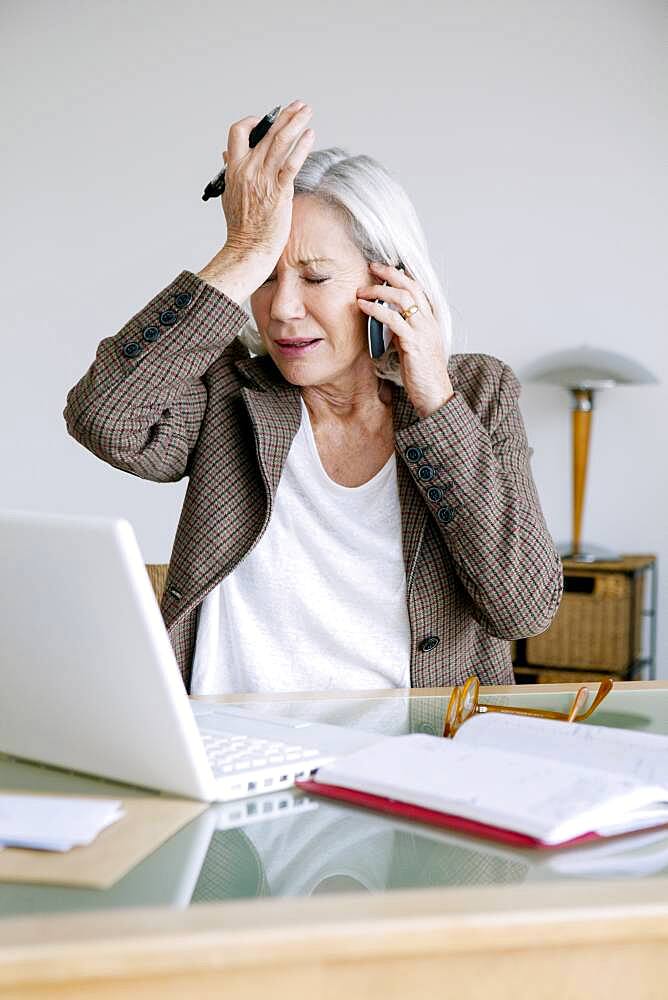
(583, 370)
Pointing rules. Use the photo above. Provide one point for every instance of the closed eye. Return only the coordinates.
(310, 281)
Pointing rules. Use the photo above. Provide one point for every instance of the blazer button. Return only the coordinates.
(151, 334)
(414, 454)
(431, 642)
(132, 349)
(426, 472)
(183, 299)
(435, 494)
(168, 317)
(176, 594)
(445, 514)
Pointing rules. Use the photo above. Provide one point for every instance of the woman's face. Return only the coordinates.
(310, 296)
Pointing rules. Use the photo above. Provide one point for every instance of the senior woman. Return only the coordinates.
(348, 523)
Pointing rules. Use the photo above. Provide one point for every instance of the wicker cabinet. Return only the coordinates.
(605, 625)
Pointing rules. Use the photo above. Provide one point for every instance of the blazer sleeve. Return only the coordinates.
(140, 405)
(476, 480)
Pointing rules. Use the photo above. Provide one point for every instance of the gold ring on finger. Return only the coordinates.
(407, 313)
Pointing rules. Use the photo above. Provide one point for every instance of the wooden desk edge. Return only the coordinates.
(294, 943)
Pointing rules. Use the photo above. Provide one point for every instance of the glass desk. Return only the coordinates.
(290, 865)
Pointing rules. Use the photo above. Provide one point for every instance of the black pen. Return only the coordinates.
(216, 187)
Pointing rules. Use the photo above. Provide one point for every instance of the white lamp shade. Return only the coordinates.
(588, 368)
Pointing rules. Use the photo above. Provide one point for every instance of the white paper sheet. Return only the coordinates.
(54, 822)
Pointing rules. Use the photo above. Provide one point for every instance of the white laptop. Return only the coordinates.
(89, 681)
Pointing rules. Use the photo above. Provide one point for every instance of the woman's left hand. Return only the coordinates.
(418, 340)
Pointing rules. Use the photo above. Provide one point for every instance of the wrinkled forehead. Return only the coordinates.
(319, 236)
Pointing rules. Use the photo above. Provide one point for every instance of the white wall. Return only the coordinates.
(531, 135)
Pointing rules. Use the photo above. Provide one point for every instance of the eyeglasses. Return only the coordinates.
(464, 703)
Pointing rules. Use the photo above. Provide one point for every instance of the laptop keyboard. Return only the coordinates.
(233, 754)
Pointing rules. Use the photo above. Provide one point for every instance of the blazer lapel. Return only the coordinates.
(274, 407)
(413, 510)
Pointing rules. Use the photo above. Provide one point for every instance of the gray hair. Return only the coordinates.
(381, 222)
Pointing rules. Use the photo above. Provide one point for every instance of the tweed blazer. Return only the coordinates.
(174, 393)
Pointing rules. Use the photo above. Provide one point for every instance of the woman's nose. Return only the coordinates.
(287, 301)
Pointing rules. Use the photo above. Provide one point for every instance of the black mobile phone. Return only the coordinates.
(379, 334)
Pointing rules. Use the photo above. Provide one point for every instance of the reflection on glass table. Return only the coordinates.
(395, 714)
(345, 849)
(287, 844)
(308, 848)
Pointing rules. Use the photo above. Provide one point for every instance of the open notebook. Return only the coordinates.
(524, 781)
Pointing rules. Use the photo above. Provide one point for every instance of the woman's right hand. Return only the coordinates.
(259, 186)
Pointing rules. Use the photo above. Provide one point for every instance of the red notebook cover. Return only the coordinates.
(446, 820)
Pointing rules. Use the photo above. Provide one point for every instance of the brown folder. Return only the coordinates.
(148, 822)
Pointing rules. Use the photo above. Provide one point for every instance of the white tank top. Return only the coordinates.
(320, 601)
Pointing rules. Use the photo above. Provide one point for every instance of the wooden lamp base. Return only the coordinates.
(583, 405)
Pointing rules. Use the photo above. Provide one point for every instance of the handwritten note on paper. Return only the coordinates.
(641, 757)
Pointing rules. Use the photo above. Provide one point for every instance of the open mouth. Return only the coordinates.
(293, 348)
